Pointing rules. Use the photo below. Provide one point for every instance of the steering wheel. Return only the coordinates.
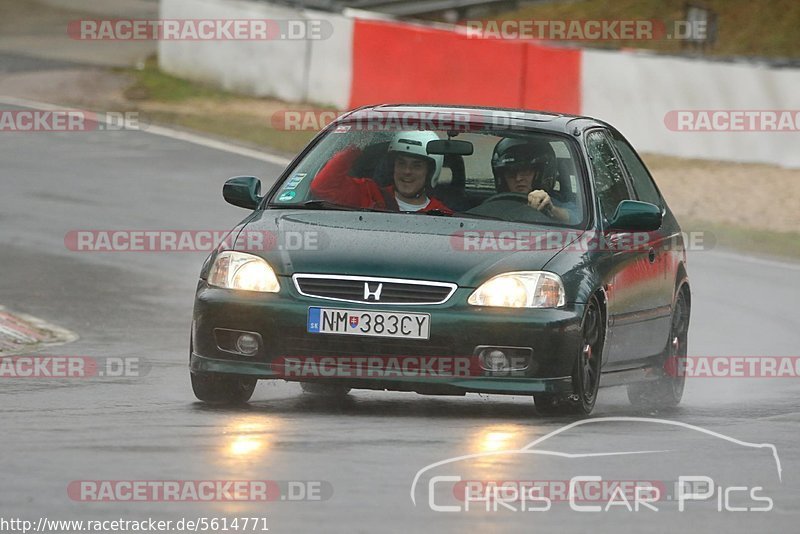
(515, 209)
(516, 197)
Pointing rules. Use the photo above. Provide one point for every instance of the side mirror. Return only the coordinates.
(635, 216)
(243, 191)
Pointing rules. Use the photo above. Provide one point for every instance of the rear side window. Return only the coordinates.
(642, 181)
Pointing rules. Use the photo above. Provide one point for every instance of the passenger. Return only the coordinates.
(414, 172)
(529, 168)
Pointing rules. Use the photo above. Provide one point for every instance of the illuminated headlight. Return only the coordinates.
(237, 270)
(524, 289)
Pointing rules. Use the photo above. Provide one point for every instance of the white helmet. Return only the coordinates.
(415, 143)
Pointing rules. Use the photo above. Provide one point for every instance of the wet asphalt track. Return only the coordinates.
(369, 447)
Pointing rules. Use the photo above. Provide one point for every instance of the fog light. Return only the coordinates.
(247, 344)
(499, 360)
(494, 360)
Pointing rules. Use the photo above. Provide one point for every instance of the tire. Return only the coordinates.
(586, 372)
(667, 392)
(222, 389)
(326, 390)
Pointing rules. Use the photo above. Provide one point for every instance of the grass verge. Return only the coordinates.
(168, 100)
(750, 240)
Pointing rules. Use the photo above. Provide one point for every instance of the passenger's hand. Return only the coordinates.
(541, 201)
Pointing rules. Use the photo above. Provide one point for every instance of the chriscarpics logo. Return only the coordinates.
(615, 465)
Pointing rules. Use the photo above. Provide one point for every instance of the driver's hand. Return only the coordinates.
(540, 200)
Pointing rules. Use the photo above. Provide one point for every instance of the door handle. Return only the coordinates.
(651, 255)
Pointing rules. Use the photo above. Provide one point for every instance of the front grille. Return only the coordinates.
(370, 290)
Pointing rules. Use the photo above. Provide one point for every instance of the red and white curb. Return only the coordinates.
(20, 332)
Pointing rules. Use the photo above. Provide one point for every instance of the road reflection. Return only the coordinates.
(489, 442)
(247, 438)
(499, 437)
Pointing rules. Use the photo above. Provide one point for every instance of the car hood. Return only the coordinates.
(391, 245)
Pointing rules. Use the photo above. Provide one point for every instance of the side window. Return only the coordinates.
(609, 179)
(642, 181)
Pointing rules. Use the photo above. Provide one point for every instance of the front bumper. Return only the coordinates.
(456, 330)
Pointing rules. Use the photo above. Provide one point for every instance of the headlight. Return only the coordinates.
(237, 270)
(525, 289)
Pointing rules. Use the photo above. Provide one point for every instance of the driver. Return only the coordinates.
(413, 172)
(529, 168)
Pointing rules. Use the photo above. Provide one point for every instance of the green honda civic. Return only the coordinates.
(448, 250)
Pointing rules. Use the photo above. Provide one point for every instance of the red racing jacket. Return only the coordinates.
(333, 183)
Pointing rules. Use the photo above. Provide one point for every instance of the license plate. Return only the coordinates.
(369, 323)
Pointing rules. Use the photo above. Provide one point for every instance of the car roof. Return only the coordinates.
(540, 120)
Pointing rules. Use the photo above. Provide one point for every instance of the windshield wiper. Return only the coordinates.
(323, 205)
(313, 205)
(468, 215)
(438, 212)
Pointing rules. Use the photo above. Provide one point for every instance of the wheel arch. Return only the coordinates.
(602, 299)
(682, 284)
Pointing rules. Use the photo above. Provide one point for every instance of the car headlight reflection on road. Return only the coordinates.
(238, 270)
(246, 439)
(524, 289)
(493, 438)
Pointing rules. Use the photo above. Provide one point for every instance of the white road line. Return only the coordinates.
(162, 131)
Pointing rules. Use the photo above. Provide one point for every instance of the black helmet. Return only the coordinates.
(519, 154)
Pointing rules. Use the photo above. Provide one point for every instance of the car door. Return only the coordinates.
(663, 249)
(628, 270)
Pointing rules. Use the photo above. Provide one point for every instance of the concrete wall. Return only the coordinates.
(635, 92)
(292, 70)
(331, 64)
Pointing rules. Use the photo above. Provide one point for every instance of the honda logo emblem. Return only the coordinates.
(376, 293)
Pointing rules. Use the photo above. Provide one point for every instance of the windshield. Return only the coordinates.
(519, 176)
